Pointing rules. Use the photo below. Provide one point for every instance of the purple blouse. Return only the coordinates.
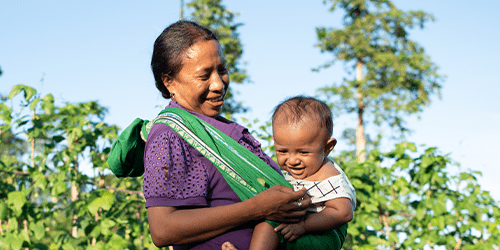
(175, 174)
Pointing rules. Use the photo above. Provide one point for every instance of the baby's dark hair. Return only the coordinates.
(295, 109)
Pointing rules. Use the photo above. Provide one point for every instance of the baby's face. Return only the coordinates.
(300, 148)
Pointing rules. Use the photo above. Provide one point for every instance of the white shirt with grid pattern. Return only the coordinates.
(331, 188)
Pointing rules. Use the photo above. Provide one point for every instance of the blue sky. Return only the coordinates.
(101, 50)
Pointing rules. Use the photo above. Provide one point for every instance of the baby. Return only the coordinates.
(302, 130)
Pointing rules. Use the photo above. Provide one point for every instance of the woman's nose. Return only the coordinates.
(216, 85)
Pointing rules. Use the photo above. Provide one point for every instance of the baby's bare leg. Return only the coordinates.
(264, 237)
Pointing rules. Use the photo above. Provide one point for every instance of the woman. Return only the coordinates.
(189, 203)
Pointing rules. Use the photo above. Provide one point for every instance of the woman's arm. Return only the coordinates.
(173, 226)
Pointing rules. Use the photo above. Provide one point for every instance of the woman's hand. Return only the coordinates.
(282, 204)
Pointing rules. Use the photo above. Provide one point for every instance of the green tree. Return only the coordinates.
(46, 200)
(393, 75)
(213, 15)
(411, 201)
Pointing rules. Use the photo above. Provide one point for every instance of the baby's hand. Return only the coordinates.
(291, 231)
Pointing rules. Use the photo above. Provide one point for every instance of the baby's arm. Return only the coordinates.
(337, 212)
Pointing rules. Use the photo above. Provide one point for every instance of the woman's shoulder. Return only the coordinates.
(162, 134)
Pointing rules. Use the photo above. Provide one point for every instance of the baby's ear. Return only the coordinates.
(330, 144)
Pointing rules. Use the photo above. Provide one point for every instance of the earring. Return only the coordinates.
(172, 96)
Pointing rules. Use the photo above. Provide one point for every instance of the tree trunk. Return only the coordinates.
(360, 131)
(74, 197)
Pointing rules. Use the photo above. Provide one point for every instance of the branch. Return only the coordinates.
(124, 190)
(106, 187)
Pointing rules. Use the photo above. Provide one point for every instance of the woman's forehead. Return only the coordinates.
(200, 47)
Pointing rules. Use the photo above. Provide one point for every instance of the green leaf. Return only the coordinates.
(48, 104)
(96, 231)
(28, 93)
(107, 200)
(59, 188)
(13, 226)
(34, 103)
(17, 199)
(16, 243)
(40, 180)
(98, 246)
(39, 229)
(108, 223)
(116, 242)
(94, 205)
(25, 236)
(421, 213)
(15, 90)
(3, 210)
(426, 161)
(58, 138)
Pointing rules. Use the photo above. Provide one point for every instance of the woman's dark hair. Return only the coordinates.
(295, 109)
(170, 48)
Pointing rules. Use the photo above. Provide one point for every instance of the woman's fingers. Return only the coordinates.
(280, 227)
(283, 204)
(287, 235)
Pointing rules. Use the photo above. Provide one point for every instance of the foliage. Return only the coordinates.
(213, 15)
(46, 201)
(406, 202)
(348, 137)
(393, 76)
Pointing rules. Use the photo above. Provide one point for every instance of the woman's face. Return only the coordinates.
(201, 84)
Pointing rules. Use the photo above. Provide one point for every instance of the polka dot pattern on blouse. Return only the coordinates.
(171, 171)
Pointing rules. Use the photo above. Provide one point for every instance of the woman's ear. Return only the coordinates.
(330, 144)
(167, 82)
(166, 79)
